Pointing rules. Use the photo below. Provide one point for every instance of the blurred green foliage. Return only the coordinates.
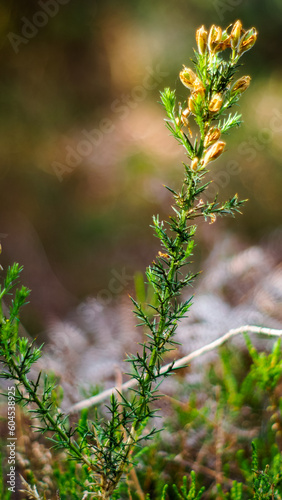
(232, 443)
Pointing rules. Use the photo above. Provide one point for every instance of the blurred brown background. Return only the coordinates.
(84, 150)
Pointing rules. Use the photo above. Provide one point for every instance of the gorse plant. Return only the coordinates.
(105, 447)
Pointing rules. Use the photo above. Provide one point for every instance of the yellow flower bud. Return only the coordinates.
(194, 164)
(275, 427)
(200, 204)
(212, 136)
(216, 103)
(201, 39)
(224, 43)
(183, 120)
(213, 218)
(198, 87)
(214, 38)
(184, 117)
(185, 113)
(187, 77)
(236, 34)
(241, 85)
(248, 40)
(199, 91)
(163, 255)
(214, 152)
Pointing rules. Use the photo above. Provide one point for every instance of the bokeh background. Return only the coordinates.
(75, 213)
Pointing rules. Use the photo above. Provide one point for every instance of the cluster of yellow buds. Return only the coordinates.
(215, 149)
(242, 40)
(207, 99)
(217, 40)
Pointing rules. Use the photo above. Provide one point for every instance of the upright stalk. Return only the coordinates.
(106, 447)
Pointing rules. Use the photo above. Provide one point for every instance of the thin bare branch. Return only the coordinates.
(180, 363)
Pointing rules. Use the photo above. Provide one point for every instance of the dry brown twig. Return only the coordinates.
(180, 363)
